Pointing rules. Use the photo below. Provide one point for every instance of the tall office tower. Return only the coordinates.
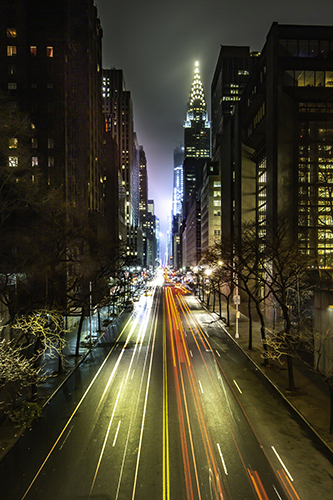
(197, 151)
(151, 236)
(197, 126)
(143, 205)
(232, 72)
(118, 110)
(282, 148)
(210, 205)
(178, 184)
(50, 59)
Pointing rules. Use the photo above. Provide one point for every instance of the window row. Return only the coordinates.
(307, 48)
(13, 161)
(13, 143)
(12, 50)
(315, 107)
(307, 78)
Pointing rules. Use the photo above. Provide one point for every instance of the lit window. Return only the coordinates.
(33, 50)
(49, 51)
(50, 143)
(11, 69)
(12, 143)
(11, 33)
(13, 161)
(50, 161)
(34, 143)
(11, 50)
(34, 161)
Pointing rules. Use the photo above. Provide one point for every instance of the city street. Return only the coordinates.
(166, 408)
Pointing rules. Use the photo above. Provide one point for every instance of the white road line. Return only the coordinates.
(116, 435)
(217, 352)
(222, 460)
(191, 353)
(285, 468)
(201, 387)
(132, 374)
(276, 491)
(234, 381)
(70, 430)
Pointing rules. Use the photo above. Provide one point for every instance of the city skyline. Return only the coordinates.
(157, 45)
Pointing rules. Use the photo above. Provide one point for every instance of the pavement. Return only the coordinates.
(311, 400)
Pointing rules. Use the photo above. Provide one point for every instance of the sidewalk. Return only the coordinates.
(89, 336)
(311, 400)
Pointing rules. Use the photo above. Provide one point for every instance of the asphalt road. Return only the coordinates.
(166, 408)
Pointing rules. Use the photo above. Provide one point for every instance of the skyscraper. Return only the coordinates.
(118, 110)
(197, 151)
(51, 71)
(178, 183)
(197, 126)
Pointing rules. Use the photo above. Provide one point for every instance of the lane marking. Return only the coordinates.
(191, 353)
(280, 460)
(222, 459)
(116, 435)
(276, 491)
(234, 381)
(105, 440)
(217, 352)
(201, 387)
(70, 430)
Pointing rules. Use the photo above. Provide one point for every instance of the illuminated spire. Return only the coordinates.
(197, 96)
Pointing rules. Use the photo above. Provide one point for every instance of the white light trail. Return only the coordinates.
(222, 460)
(280, 460)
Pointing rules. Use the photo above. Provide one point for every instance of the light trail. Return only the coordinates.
(71, 417)
(166, 470)
(185, 455)
(281, 462)
(104, 443)
(255, 480)
(144, 409)
(222, 460)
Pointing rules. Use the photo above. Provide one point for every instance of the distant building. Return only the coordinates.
(143, 205)
(197, 125)
(197, 150)
(118, 110)
(151, 235)
(178, 182)
(210, 206)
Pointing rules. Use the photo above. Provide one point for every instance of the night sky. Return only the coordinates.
(157, 43)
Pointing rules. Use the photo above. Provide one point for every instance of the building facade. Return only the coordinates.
(210, 202)
(51, 71)
(119, 122)
(197, 150)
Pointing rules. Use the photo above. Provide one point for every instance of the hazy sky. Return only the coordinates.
(157, 43)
